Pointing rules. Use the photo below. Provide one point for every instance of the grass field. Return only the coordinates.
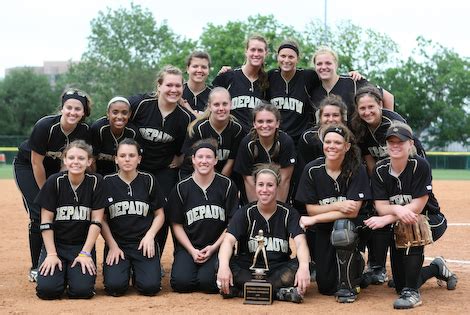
(7, 173)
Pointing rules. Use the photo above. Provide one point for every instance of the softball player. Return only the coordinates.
(370, 122)
(402, 189)
(247, 85)
(199, 209)
(289, 90)
(40, 156)
(134, 215)
(326, 63)
(162, 125)
(107, 132)
(333, 189)
(278, 222)
(215, 123)
(71, 213)
(195, 90)
(266, 144)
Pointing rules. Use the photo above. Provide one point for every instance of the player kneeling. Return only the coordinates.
(71, 212)
(134, 215)
(333, 189)
(277, 221)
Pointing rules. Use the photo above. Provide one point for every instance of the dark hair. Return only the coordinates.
(81, 96)
(332, 100)
(358, 125)
(352, 159)
(208, 143)
(264, 106)
(80, 144)
(198, 54)
(262, 74)
(130, 141)
(267, 168)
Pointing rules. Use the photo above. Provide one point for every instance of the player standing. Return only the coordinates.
(71, 213)
(216, 123)
(108, 131)
(40, 156)
(266, 144)
(134, 215)
(402, 190)
(162, 125)
(195, 90)
(247, 85)
(333, 189)
(199, 208)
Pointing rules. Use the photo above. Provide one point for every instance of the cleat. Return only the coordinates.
(33, 275)
(409, 298)
(378, 275)
(445, 275)
(345, 296)
(289, 294)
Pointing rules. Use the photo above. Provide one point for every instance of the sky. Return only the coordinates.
(33, 31)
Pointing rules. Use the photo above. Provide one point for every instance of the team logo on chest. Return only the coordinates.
(128, 207)
(288, 103)
(205, 212)
(69, 213)
(155, 135)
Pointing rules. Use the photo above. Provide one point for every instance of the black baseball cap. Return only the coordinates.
(401, 133)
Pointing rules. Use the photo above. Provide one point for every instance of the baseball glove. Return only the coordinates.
(410, 235)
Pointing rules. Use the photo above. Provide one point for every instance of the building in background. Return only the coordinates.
(51, 69)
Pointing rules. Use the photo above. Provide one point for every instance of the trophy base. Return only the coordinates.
(258, 292)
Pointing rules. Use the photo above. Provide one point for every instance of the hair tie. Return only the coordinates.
(79, 96)
(335, 129)
(290, 46)
(118, 99)
(204, 145)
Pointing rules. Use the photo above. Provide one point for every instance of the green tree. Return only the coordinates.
(125, 50)
(25, 97)
(431, 92)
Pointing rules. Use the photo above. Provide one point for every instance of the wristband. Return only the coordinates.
(97, 223)
(84, 254)
(46, 226)
(52, 254)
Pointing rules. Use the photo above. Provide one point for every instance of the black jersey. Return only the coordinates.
(48, 139)
(198, 101)
(204, 214)
(374, 143)
(130, 208)
(310, 146)
(317, 187)
(283, 224)
(292, 98)
(414, 182)
(105, 144)
(72, 208)
(228, 141)
(245, 95)
(161, 138)
(251, 152)
(346, 87)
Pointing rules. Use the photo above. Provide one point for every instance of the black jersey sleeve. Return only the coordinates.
(287, 154)
(307, 191)
(359, 186)
(224, 79)
(174, 206)
(99, 195)
(231, 201)
(156, 198)
(379, 189)
(293, 226)
(238, 225)
(238, 137)
(422, 182)
(310, 147)
(39, 137)
(244, 160)
(96, 138)
(312, 80)
(48, 196)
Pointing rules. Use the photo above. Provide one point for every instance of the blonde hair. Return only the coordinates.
(325, 50)
(80, 144)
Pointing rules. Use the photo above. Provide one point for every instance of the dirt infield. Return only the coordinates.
(17, 295)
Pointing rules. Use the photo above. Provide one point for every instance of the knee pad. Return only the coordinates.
(344, 235)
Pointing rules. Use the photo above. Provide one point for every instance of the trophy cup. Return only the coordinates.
(258, 290)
